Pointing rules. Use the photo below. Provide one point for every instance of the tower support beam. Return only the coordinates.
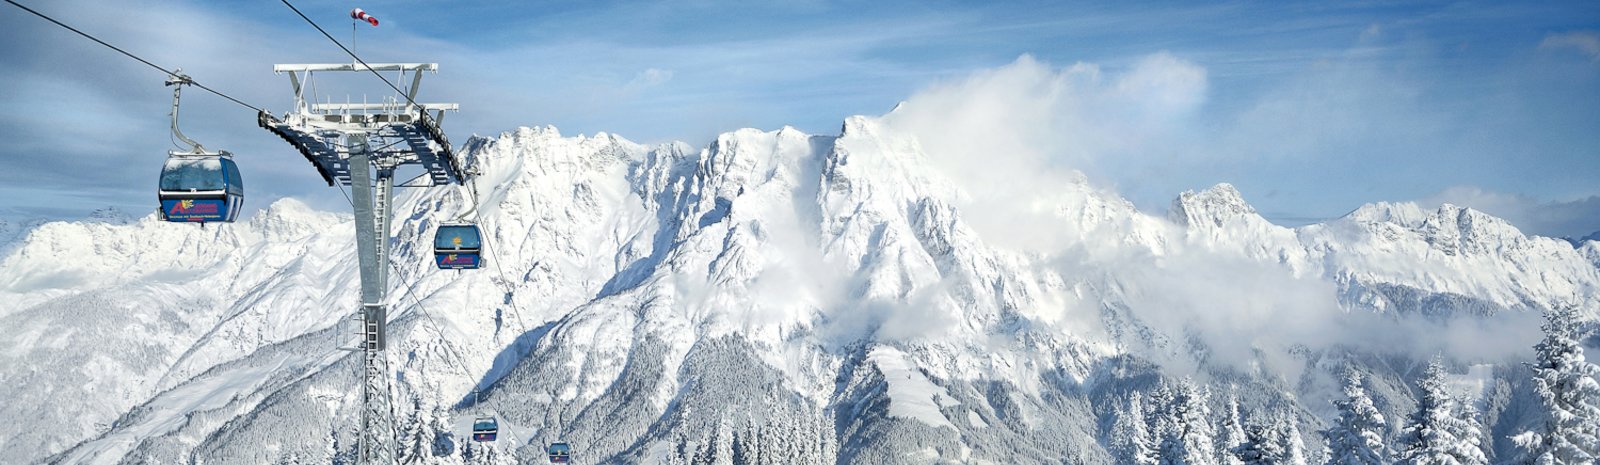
(377, 427)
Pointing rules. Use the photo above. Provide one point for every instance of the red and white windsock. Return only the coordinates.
(359, 15)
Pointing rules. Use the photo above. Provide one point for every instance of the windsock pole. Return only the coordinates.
(358, 15)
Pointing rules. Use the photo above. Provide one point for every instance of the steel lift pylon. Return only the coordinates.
(361, 145)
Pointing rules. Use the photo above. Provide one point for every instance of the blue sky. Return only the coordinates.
(1311, 109)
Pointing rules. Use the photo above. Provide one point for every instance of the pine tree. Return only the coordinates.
(702, 451)
(412, 437)
(829, 438)
(1230, 432)
(485, 453)
(1131, 441)
(721, 450)
(442, 443)
(1293, 446)
(675, 457)
(1432, 435)
(1276, 442)
(745, 446)
(1567, 388)
(1356, 437)
(1262, 446)
(1184, 429)
(1470, 429)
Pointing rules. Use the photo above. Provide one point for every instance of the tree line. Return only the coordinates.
(1174, 425)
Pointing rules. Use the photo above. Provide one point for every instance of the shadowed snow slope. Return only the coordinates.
(819, 297)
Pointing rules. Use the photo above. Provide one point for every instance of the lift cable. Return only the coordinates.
(135, 57)
(517, 309)
(477, 215)
(437, 329)
(434, 324)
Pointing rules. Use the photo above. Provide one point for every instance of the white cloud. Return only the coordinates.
(650, 78)
(1250, 313)
(1012, 136)
(1585, 42)
(1372, 33)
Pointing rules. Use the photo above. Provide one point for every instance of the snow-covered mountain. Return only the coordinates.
(1579, 241)
(817, 297)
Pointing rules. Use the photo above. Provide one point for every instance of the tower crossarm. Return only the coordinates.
(322, 153)
(400, 132)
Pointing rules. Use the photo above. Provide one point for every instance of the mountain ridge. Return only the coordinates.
(636, 291)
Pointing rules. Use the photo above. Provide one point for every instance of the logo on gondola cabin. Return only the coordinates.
(455, 241)
(455, 259)
(189, 207)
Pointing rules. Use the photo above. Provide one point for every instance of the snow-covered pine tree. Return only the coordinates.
(815, 439)
(1294, 447)
(766, 443)
(1356, 437)
(700, 451)
(1469, 428)
(485, 453)
(1131, 441)
(674, 457)
(1184, 428)
(746, 445)
(1432, 434)
(1230, 431)
(680, 452)
(415, 443)
(1262, 446)
(722, 445)
(829, 440)
(443, 441)
(1567, 388)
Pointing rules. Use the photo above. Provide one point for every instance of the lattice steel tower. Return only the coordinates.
(361, 145)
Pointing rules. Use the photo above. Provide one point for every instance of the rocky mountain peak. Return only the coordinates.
(1212, 207)
(1454, 229)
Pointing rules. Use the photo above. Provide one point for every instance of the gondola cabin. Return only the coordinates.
(560, 452)
(200, 188)
(484, 429)
(457, 247)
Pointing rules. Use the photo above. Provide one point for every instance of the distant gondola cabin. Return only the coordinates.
(484, 429)
(560, 452)
(457, 247)
(200, 188)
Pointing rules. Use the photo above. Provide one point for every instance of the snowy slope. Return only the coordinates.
(132, 309)
(819, 297)
(1591, 251)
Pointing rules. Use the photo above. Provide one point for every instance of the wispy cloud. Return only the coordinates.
(1584, 42)
(1014, 135)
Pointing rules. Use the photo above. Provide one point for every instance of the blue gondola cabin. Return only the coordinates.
(200, 188)
(457, 247)
(484, 429)
(560, 452)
